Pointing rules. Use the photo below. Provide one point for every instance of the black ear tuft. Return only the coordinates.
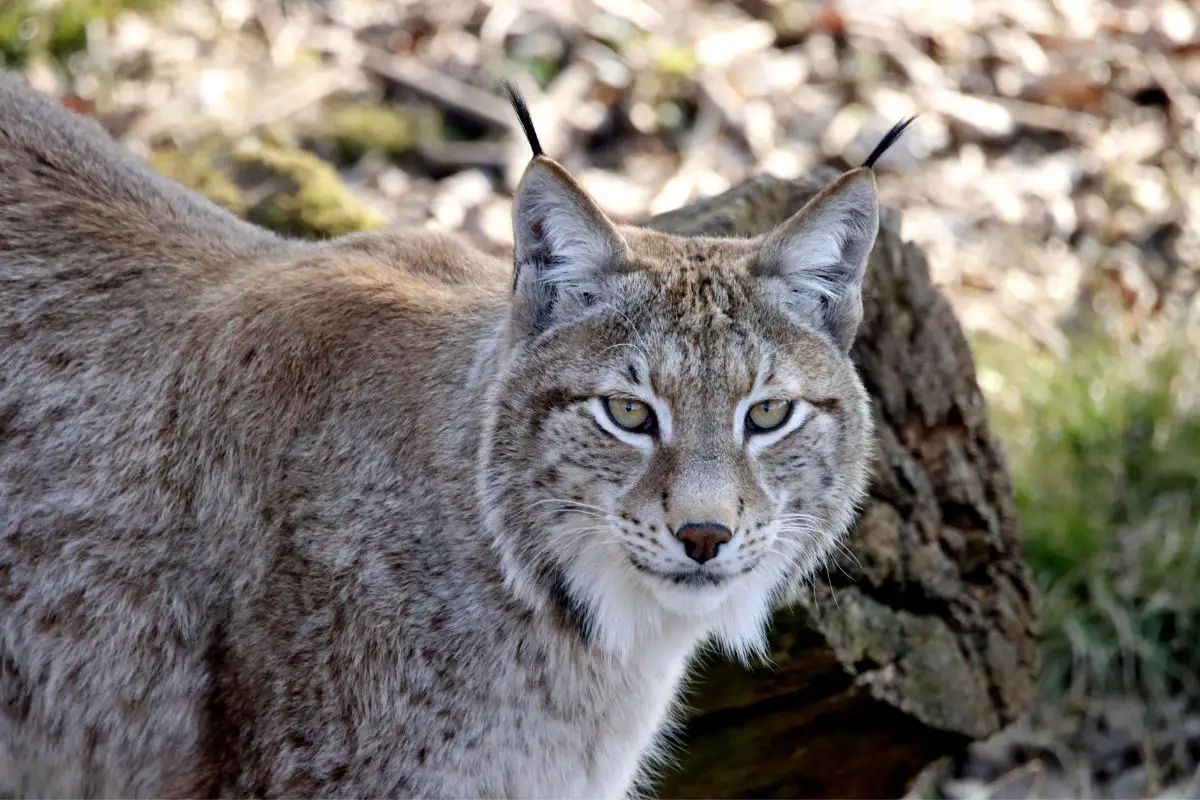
(889, 139)
(518, 103)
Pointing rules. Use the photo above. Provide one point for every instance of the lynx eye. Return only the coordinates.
(767, 415)
(632, 415)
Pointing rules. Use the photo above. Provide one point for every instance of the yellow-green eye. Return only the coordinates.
(767, 415)
(632, 415)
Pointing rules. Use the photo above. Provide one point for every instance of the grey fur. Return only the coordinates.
(333, 519)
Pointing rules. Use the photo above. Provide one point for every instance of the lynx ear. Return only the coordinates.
(564, 245)
(820, 255)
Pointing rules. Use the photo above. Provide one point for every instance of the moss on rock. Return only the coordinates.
(273, 183)
(198, 170)
(311, 201)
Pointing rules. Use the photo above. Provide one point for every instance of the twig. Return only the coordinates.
(455, 156)
(1078, 124)
(300, 97)
(922, 70)
(441, 89)
(1185, 109)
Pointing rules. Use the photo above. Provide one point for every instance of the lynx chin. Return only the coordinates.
(384, 516)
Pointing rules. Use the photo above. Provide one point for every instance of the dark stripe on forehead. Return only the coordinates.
(771, 368)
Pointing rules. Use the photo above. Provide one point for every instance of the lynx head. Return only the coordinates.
(677, 430)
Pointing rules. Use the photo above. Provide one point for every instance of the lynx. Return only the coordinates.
(381, 516)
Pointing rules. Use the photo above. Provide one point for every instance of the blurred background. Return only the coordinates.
(1051, 179)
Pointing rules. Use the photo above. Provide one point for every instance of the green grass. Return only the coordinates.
(1105, 454)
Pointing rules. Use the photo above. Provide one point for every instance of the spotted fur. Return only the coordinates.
(348, 518)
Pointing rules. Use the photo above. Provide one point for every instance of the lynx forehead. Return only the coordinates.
(383, 516)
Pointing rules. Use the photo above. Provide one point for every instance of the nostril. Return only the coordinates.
(702, 540)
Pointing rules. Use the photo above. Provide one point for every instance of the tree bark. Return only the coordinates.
(924, 640)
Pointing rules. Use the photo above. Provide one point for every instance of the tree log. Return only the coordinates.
(924, 640)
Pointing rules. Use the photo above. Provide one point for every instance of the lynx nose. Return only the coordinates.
(701, 540)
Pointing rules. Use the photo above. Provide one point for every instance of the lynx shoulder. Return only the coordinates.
(384, 515)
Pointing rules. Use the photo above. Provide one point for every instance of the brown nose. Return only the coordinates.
(701, 540)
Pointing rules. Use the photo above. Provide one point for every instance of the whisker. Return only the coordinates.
(563, 511)
(567, 501)
(850, 553)
(832, 591)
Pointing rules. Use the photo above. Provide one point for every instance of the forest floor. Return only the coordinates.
(1051, 178)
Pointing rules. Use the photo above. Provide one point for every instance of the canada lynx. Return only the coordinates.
(376, 517)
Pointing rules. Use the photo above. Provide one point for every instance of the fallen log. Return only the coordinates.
(923, 640)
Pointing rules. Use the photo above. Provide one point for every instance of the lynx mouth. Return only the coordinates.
(698, 577)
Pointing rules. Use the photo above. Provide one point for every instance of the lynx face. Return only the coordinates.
(679, 431)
